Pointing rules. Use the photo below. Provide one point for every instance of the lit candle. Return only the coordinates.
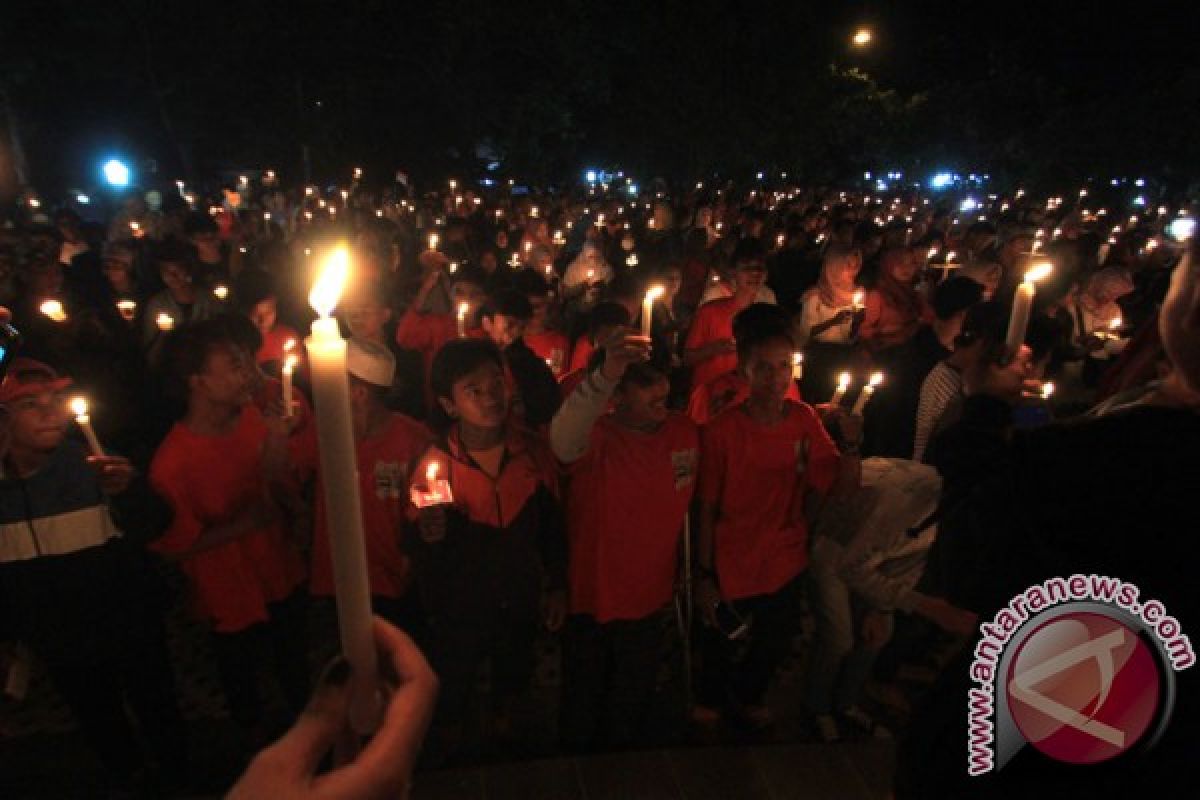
(221, 292)
(339, 475)
(867, 391)
(840, 392)
(127, 309)
(165, 322)
(54, 310)
(1047, 390)
(652, 294)
(437, 490)
(797, 366)
(463, 308)
(433, 241)
(857, 301)
(289, 366)
(1023, 308)
(79, 407)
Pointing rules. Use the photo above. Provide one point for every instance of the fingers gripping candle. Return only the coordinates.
(339, 474)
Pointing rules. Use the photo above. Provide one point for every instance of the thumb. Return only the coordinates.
(321, 723)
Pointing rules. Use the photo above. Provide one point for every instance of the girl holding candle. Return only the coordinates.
(828, 312)
(632, 475)
(760, 460)
(480, 562)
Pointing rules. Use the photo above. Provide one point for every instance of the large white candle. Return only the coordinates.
(840, 392)
(79, 407)
(1022, 309)
(867, 391)
(652, 294)
(339, 474)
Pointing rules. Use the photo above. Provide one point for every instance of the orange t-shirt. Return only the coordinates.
(626, 501)
(713, 322)
(730, 389)
(756, 476)
(384, 464)
(207, 481)
(552, 347)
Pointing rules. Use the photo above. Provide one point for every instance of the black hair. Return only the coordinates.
(457, 358)
(984, 321)
(1044, 335)
(761, 326)
(172, 251)
(469, 274)
(625, 285)
(530, 283)
(955, 294)
(199, 222)
(252, 286)
(186, 351)
(241, 331)
(607, 315)
(643, 374)
(510, 303)
(748, 250)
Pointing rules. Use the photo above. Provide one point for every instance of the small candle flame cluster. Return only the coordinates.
(843, 384)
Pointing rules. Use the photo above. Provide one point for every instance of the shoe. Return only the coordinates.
(865, 722)
(827, 729)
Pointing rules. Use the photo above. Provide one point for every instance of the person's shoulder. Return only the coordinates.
(801, 413)
(728, 419)
(172, 450)
(681, 426)
(402, 426)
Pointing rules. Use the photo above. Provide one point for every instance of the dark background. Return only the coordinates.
(1045, 92)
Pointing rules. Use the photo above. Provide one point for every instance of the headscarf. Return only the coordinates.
(898, 295)
(835, 288)
(1103, 290)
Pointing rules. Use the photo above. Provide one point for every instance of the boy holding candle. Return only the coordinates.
(761, 458)
(632, 477)
(219, 469)
(426, 332)
(480, 562)
(74, 584)
(710, 349)
(535, 391)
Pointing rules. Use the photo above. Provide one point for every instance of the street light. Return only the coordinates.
(116, 173)
(862, 37)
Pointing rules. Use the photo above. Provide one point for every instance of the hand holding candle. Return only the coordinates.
(867, 391)
(1022, 309)
(339, 475)
(437, 490)
(79, 407)
(652, 294)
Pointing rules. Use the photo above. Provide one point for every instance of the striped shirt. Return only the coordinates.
(941, 387)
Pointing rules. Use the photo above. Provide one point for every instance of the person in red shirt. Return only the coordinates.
(426, 332)
(218, 470)
(760, 460)
(632, 474)
(602, 322)
(709, 399)
(709, 348)
(480, 561)
(257, 299)
(548, 344)
(387, 444)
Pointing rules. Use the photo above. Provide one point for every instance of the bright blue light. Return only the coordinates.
(487, 182)
(116, 173)
(866, 176)
(969, 204)
(82, 199)
(881, 186)
(941, 180)
(633, 189)
(590, 176)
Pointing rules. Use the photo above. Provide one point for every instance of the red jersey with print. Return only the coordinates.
(756, 476)
(626, 502)
(385, 462)
(209, 481)
(713, 322)
(730, 389)
(552, 347)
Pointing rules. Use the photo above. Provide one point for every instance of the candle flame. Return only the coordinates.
(221, 292)
(54, 310)
(327, 289)
(797, 359)
(654, 292)
(431, 472)
(433, 241)
(858, 297)
(876, 379)
(1038, 272)
(290, 362)
(1115, 323)
(165, 322)
(1047, 389)
(289, 345)
(463, 308)
(844, 380)
(79, 406)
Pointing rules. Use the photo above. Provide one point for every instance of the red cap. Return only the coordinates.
(28, 377)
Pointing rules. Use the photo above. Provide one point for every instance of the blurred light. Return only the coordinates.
(116, 173)
(82, 199)
(1182, 229)
(941, 180)
(633, 189)
(1139, 200)
(862, 37)
(590, 176)
(1140, 182)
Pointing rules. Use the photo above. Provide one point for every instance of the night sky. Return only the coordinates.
(1045, 90)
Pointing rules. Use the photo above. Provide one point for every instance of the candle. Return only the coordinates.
(463, 308)
(127, 309)
(840, 391)
(437, 490)
(289, 366)
(165, 322)
(79, 407)
(433, 241)
(797, 366)
(54, 310)
(867, 391)
(631, 260)
(1047, 390)
(857, 301)
(221, 292)
(652, 294)
(343, 509)
(1022, 308)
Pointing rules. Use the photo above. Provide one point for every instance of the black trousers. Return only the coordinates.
(131, 669)
(609, 674)
(740, 672)
(283, 642)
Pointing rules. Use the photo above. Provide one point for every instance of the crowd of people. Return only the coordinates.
(804, 345)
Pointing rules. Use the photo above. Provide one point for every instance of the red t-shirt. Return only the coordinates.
(756, 476)
(384, 464)
(426, 333)
(713, 322)
(273, 342)
(581, 354)
(710, 399)
(625, 507)
(207, 481)
(552, 347)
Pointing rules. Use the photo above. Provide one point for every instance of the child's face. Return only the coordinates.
(38, 422)
(264, 314)
(480, 398)
(503, 329)
(227, 378)
(768, 370)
